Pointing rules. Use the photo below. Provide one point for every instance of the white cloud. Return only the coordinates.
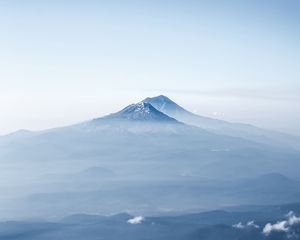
(248, 224)
(283, 226)
(238, 225)
(136, 220)
(278, 227)
(292, 219)
(252, 224)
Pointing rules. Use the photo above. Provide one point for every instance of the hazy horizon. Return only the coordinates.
(64, 62)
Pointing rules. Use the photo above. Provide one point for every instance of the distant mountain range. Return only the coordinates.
(269, 223)
(150, 157)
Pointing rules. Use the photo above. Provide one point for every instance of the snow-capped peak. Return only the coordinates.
(139, 107)
(141, 111)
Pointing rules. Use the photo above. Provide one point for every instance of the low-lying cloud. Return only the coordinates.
(283, 226)
(136, 220)
(248, 224)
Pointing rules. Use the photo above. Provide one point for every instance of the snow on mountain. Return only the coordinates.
(141, 111)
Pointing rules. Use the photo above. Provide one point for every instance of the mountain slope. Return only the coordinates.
(167, 106)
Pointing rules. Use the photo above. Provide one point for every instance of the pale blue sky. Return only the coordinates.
(66, 61)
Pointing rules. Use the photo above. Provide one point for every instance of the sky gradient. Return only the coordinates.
(63, 62)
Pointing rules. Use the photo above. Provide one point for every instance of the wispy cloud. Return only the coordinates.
(249, 224)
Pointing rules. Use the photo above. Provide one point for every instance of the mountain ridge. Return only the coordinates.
(246, 131)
